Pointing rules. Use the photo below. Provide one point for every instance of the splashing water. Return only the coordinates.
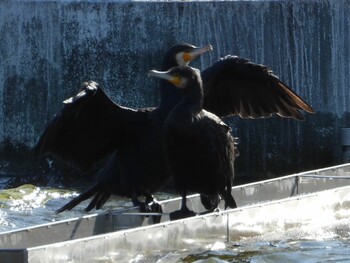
(29, 205)
(316, 235)
(26, 206)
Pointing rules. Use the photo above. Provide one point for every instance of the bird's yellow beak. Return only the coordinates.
(175, 80)
(191, 55)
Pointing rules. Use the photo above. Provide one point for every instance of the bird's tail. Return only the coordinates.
(107, 184)
(99, 200)
(77, 200)
(229, 201)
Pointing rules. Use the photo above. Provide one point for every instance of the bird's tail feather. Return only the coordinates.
(99, 200)
(77, 200)
(229, 201)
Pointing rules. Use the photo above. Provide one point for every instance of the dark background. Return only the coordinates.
(47, 48)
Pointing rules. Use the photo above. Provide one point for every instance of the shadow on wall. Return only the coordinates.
(275, 147)
(268, 148)
(19, 166)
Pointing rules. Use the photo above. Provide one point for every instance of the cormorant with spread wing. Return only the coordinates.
(199, 148)
(90, 126)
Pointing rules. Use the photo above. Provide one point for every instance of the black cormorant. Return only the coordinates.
(90, 126)
(199, 148)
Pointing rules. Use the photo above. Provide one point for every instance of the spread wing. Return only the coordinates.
(236, 86)
(89, 126)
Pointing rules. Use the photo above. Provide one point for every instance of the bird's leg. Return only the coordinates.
(153, 204)
(135, 201)
(144, 206)
(149, 206)
(153, 207)
(149, 198)
(184, 210)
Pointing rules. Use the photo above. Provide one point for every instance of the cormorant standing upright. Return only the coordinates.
(199, 148)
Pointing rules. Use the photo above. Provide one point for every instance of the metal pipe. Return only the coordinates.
(326, 176)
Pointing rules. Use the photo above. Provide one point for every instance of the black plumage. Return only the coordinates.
(90, 126)
(198, 146)
(236, 86)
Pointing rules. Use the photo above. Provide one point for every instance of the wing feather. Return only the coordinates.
(236, 86)
(88, 127)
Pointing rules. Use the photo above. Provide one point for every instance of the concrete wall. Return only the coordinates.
(48, 48)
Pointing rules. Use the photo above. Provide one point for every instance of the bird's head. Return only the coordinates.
(181, 76)
(183, 54)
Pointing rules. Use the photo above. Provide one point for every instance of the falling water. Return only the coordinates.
(48, 48)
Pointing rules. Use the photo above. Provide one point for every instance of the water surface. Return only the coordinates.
(323, 238)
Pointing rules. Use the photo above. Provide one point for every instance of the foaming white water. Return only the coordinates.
(320, 217)
(26, 206)
(312, 229)
(29, 205)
